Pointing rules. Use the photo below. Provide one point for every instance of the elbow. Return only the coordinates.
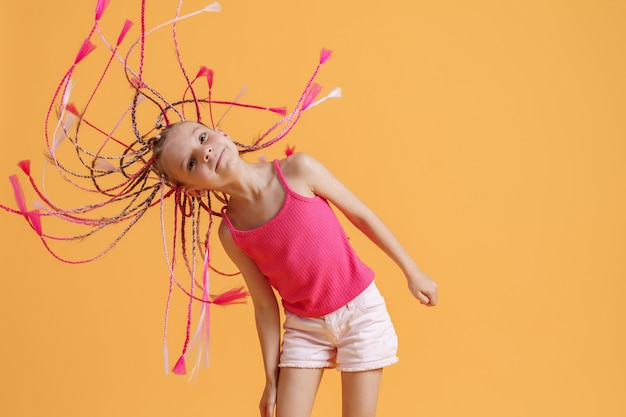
(266, 308)
(363, 222)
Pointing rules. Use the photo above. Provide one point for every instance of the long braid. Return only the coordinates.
(120, 171)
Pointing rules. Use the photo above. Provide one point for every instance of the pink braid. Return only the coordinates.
(120, 171)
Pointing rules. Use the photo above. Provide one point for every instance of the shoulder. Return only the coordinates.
(297, 160)
(223, 231)
(228, 241)
(301, 165)
(304, 171)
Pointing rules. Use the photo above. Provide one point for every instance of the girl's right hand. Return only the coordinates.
(268, 401)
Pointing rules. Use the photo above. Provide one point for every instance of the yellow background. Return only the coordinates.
(489, 135)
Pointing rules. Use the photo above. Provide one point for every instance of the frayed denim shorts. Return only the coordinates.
(357, 337)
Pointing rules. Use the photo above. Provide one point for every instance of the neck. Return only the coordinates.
(250, 184)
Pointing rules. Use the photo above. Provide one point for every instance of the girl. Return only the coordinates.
(277, 226)
(280, 232)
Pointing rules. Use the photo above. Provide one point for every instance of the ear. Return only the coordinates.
(195, 193)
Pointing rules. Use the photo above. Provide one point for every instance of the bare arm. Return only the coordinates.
(266, 316)
(323, 183)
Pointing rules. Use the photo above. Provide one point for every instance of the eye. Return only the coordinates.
(191, 164)
(202, 137)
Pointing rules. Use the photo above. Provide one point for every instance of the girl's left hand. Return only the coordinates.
(423, 288)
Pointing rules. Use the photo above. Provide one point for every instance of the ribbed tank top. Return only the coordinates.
(305, 254)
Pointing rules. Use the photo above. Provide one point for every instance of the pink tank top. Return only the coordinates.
(305, 254)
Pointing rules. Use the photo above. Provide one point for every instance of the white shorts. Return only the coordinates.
(357, 337)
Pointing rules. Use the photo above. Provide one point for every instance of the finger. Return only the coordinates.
(422, 298)
(267, 410)
(434, 299)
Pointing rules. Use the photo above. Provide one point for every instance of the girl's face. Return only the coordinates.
(198, 157)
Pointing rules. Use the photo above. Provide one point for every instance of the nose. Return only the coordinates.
(208, 152)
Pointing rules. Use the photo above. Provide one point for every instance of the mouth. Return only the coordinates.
(219, 158)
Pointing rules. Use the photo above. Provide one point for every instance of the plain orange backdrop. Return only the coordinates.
(489, 135)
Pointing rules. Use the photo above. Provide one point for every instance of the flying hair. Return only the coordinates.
(119, 173)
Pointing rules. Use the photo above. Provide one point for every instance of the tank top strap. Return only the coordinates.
(283, 181)
(226, 219)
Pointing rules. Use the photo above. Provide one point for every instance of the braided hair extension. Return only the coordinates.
(127, 181)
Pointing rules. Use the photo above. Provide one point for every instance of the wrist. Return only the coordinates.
(271, 378)
(410, 268)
